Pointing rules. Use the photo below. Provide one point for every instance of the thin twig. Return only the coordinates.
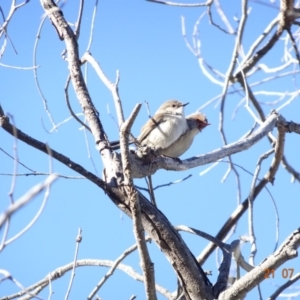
(293, 44)
(8, 276)
(151, 190)
(19, 68)
(42, 174)
(203, 234)
(284, 286)
(252, 237)
(224, 92)
(207, 3)
(223, 17)
(12, 10)
(69, 105)
(173, 182)
(196, 50)
(79, 18)
(5, 124)
(258, 41)
(290, 169)
(15, 167)
(78, 241)
(92, 27)
(33, 192)
(45, 102)
(111, 271)
(39, 212)
(113, 87)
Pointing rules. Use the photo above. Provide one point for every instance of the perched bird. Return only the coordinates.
(165, 127)
(196, 122)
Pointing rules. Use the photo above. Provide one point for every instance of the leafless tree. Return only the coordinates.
(120, 169)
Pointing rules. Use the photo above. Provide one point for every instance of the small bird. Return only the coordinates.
(196, 122)
(165, 127)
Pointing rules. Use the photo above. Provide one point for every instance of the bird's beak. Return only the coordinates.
(185, 104)
(202, 125)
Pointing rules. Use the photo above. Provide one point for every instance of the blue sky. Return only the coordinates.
(144, 42)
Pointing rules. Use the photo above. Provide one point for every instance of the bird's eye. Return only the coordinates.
(173, 105)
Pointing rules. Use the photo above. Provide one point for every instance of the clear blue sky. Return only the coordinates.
(144, 42)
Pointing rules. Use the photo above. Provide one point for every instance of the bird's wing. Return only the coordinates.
(150, 125)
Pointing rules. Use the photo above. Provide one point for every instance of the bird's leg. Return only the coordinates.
(143, 151)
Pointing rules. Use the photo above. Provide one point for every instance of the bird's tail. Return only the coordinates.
(115, 145)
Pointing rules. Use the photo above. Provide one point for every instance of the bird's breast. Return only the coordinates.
(167, 132)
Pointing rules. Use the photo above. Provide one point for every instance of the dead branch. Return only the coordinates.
(61, 271)
(242, 208)
(15, 206)
(287, 251)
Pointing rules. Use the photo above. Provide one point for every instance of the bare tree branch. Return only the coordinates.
(59, 272)
(207, 3)
(242, 208)
(284, 286)
(5, 124)
(140, 168)
(90, 112)
(252, 237)
(287, 251)
(113, 268)
(15, 206)
(113, 87)
(78, 241)
(69, 105)
(79, 18)
(285, 19)
(119, 169)
(138, 229)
